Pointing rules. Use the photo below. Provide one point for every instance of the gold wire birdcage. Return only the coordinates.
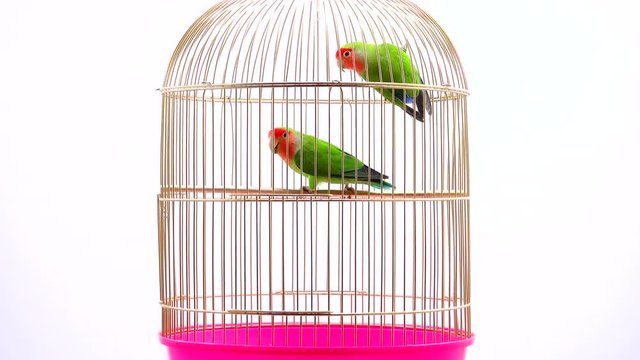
(253, 263)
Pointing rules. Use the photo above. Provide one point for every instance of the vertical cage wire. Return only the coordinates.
(242, 248)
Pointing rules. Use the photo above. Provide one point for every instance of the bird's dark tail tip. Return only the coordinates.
(416, 113)
(423, 102)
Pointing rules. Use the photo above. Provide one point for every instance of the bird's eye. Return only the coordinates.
(284, 135)
(347, 53)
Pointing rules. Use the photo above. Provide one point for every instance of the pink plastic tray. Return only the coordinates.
(331, 341)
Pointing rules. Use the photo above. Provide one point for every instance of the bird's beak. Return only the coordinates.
(339, 63)
(273, 145)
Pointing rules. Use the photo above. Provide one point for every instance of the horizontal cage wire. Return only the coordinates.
(264, 245)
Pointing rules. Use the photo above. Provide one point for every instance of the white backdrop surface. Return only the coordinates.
(554, 125)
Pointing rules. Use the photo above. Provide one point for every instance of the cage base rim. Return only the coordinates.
(461, 342)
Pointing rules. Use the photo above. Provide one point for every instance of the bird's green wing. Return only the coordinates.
(389, 63)
(329, 159)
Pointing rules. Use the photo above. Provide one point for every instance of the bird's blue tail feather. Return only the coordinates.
(385, 185)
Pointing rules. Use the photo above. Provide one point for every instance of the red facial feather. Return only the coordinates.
(285, 142)
(349, 60)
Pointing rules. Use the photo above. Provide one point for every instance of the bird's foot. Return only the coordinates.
(349, 191)
(305, 190)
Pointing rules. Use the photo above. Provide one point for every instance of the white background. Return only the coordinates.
(554, 125)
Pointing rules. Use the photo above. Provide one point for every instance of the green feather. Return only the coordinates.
(389, 63)
(321, 161)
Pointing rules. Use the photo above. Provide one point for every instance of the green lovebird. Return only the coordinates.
(299, 152)
(387, 63)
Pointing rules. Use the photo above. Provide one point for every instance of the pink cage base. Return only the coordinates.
(276, 341)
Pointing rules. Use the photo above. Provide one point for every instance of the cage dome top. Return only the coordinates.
(244, 42)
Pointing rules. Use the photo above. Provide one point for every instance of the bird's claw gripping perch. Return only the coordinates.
(305, 190)
(349, 191)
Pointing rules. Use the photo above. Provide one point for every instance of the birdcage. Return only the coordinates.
(273, 241)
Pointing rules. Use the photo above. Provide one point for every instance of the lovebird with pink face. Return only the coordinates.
(321, 162)
(387, 63)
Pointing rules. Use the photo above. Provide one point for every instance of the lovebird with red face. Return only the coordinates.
(321, 162)
(387, 63)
